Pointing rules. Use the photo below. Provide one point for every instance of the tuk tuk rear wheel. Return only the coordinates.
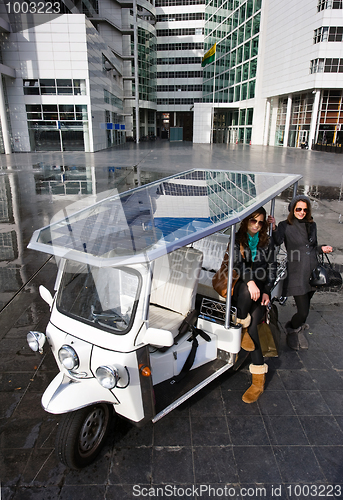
(82, 434)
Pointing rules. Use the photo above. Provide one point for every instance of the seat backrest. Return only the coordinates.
(175, 280)
(213, 248)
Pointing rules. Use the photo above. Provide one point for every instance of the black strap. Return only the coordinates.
(191, 356)
(188, 363)
(327, 258)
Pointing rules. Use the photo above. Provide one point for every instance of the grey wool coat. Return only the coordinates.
(300, 239)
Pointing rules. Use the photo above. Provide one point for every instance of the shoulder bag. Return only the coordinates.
(219, 280)
(324, 275)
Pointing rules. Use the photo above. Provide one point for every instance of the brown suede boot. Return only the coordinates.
(258, 373)
(247, 342)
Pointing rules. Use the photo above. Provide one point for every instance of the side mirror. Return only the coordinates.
(46, 295)
(159, 338)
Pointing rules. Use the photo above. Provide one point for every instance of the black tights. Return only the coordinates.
(242, 300)
(303, 307)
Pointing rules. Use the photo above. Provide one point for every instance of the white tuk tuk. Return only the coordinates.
(131, 269)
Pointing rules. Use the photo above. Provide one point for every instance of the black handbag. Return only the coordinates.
(325, 275)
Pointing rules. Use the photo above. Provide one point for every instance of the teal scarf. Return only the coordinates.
(253, 242)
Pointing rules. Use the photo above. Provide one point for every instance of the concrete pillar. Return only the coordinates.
(314, 118)
(288, 120)
(4, 124)
(274, 104)
(266, 123)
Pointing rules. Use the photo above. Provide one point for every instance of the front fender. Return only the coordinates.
(65, 394)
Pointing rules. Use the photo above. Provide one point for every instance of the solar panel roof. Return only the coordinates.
(146, 222)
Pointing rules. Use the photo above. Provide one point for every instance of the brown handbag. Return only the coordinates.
(219, 280)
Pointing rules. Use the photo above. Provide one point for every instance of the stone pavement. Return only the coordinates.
(287, 445)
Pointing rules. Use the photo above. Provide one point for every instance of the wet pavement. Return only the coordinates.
(290, 440)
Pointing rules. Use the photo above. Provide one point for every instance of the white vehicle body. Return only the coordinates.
(130, 269)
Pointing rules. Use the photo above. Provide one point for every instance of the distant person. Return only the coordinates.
(299, 234)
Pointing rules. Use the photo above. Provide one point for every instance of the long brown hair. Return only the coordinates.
(308, 217)
(242, 233)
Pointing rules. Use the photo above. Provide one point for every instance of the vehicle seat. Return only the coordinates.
(174, 288)
(213, 248)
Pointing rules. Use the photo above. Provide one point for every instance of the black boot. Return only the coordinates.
(295, 337)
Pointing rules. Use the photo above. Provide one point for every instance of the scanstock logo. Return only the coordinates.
(25, 14)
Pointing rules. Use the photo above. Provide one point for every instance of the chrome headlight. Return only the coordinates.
(107, 376)
(68, 357)
(36, 340)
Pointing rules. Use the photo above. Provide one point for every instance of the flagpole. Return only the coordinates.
(214, 88)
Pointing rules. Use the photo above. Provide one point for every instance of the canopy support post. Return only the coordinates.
(229, 276)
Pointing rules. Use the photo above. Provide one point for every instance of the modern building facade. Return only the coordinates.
(180, 48)
(278, 73)
(103, 72)
(70, 83)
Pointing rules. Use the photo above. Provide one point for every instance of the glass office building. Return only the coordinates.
(277, 77)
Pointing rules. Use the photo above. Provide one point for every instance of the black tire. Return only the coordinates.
(82, 434)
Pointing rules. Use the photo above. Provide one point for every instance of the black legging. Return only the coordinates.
(242, 300)
(303, 308)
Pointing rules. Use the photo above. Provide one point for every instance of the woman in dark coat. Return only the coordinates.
(299, 233)
(255, 265)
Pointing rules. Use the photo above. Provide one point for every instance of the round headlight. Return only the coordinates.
(107, 376)
(36, 341)
(68, 357)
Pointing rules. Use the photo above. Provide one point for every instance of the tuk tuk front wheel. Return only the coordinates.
(82, 434)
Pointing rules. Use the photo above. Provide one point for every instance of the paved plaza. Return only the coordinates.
(287, 445)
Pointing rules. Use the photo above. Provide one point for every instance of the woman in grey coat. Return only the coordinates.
(299, 234)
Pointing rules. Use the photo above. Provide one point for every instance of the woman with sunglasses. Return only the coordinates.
(299, 234)
(254, 261)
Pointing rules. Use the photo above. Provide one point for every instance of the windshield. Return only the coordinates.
(105, 297)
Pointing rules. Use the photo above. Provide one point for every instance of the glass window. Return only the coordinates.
(245, 75)
(248, 27)
(234, 38)
(250, 8)
(64, 87)
(242, 14)
(251, 89)
(244, 93)
(47, 86)
(106, 298)
(256, 24)
(66, 111)
(237, 93)
(258, 4)
(34, 111)
(50, 112)
(241, 35)
(254, 47)
(250, 114)
(239, 55)
(247, 51)
(81, 111)
(238, 74)
(233, 58)
(31, 87)
(253, 67)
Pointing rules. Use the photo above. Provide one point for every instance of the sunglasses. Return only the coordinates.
(254, 222)
(302, 210)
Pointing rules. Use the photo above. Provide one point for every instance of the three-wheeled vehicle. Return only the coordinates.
(130, 270)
